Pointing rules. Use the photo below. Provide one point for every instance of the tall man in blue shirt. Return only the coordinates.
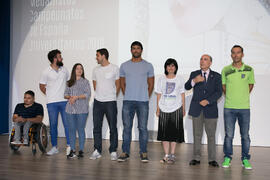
(137, 82)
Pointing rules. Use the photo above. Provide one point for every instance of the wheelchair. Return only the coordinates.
(37, 135)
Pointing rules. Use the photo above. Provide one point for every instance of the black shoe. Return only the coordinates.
(80, 155)
(194, 162)
(213, 163)
(144, 157)
(71, 154)
(123, 157)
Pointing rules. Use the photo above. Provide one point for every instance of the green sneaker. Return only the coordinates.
(246, 164)
(226, 163)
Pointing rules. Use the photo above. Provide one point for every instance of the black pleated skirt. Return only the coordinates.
(170, 126)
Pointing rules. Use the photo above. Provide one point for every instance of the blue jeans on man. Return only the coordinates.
(53, 110)
(230, 118)
(128, 112)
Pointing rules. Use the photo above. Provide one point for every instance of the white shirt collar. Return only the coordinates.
(207, 72)
(59, 69)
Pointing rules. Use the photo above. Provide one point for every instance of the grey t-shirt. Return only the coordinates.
(136, 75)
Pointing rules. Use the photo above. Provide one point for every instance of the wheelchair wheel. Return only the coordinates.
(42, 137)
(11, 139)
(34, 150)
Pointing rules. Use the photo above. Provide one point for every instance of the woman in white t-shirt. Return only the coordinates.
(170, 109)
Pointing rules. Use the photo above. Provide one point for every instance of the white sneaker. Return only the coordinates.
(16, 142)
(114, 156)
(95, 155)
(25, 142)
(53, 151)
(68, 150)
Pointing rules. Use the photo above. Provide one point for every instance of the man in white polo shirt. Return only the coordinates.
(52, 84)
(107, 86)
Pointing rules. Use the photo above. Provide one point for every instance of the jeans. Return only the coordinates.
(76, 123)
(110, 110)
(17, 126)
(230, 117)
(128, 112)
(53, 110)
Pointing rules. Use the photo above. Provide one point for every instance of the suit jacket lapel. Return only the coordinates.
(210, 77)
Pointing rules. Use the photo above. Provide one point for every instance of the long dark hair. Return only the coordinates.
(72, 79)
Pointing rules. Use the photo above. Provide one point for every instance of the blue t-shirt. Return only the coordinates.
(136, 75)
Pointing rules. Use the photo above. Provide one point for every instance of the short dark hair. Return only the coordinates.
(238, 46)
(104, 52)
(52, 54)
(136, 43)
(31, 93)
(169, 62)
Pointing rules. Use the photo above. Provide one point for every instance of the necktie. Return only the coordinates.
(204, 75)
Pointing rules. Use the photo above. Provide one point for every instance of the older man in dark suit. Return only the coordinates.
(207, 89)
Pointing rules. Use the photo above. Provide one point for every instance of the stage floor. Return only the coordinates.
(23, 165)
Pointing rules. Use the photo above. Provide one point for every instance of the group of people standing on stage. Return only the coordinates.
(69, 95)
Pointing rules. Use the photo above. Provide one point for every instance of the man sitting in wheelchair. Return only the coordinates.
(24, 115)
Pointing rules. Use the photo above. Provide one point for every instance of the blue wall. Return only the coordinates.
(4, 65)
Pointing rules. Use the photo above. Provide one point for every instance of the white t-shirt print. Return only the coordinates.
(170, 90)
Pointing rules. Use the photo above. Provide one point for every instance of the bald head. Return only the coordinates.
(205, 62)
(207, 55)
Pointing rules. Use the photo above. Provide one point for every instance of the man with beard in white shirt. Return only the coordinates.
(53, 83)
